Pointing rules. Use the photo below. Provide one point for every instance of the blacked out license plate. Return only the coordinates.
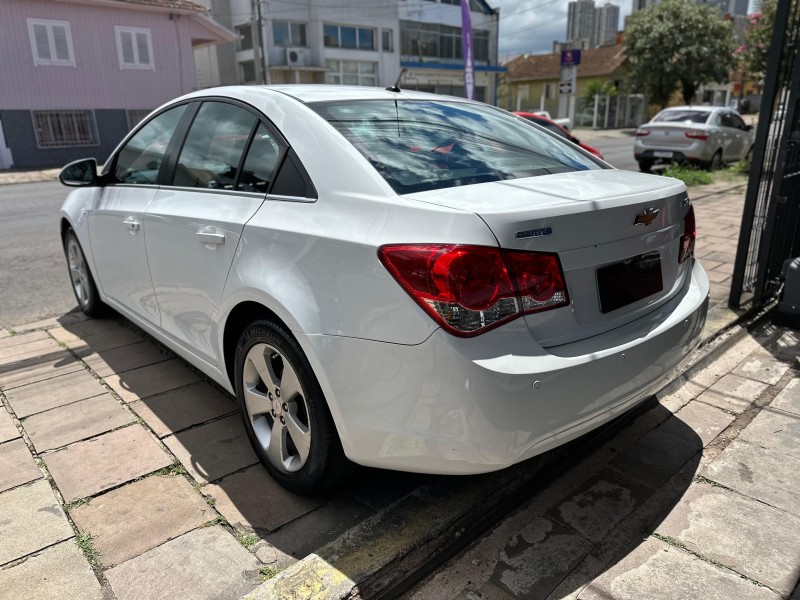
(628, 281)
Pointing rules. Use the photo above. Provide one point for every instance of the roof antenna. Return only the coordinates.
(396, 86)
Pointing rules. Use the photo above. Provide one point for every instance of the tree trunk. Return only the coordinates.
(689, 89)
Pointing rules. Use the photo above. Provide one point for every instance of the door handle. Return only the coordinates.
(209, 237)
(132, 224)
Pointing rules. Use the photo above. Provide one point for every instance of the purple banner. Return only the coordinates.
(466, 50)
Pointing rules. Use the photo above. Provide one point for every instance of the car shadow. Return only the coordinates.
(631, 470)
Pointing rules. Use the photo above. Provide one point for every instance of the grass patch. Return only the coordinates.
(175, 468)
(689, 175)
(266, 572)
(75, 504)
(248, 541)
(217, 521)
(86, 544)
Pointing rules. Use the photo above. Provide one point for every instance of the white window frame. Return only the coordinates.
(391, 40)
(292, 43)
(53, 60)
(133, 31)
(336, 77)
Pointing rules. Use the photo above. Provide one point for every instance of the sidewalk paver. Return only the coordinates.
(754, 539)
(766, 475)
(762, 366)
(248, 501)
(74, 422)
(789, 398)
(204, 564)
(775, 430)
(32, 519)
(135, 518)
(655, 571)
(31, 349)
(125, 358)
(179, 409)
(8, 431)
(733, 393)
(26, 338)
(151, 380)
(87, 468)
(55, 573)
(59, 391)
(16, 465)
(38, 368)
(213, 450)
(95, 343)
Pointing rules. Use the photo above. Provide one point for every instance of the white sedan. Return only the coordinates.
(404, 280)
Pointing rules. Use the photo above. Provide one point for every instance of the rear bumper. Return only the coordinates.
(459, 406)
(697, 153)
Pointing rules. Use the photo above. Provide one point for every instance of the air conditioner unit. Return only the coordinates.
(296, 57)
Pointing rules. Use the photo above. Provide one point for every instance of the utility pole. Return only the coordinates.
(258, 42)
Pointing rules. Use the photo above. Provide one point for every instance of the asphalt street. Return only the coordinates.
(34, 283)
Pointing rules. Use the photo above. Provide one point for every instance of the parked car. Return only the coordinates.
(565, 122)
(707, 136)
(558, 130)
(396, 279)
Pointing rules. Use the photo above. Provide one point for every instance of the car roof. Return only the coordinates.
(697, 108)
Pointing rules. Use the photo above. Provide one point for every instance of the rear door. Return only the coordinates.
(116, 224)
(220, 178)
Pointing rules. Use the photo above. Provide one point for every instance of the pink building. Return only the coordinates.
(76, 75)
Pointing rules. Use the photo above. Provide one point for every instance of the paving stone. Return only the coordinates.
(787, 346)
(8, 431)
(733, 393)
(55, 573)
(754, 539)
(51, 393)
(77, 421)
(718, 276)
(761, 365)
(775, 430)
(537, 558)
(176, 410)
(206, 563)
(789, 397)
(251, 500)
(140, 516)
(63, 320)
(598, 505)
(26, 338)
(682, 396)
(767, 475)
(16, 465)
(656, 571)
(87, 468)
(30, 519)
(313, 530)
(32, 349)
(88, 327)
(36, 369)
(706, 421)
(656, 457)
(126, 358)
(213, 450)
(151, 380)
(96, 343)
(726, 362)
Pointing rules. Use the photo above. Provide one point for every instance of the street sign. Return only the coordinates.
(565, 87)
(570, 58)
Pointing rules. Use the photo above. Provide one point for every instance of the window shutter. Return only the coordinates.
(42, 42)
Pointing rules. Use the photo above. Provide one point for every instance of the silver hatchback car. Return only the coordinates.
(707, 136)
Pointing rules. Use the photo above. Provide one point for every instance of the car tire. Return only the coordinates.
(291, 431)
(83, 285)
(645, 165)
(715, 164)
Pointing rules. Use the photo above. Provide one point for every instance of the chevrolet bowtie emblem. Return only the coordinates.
(647, 216)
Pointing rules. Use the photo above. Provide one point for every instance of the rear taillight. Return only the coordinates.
(688, 237)
(697, 135)
(470, 289)
(642, 132)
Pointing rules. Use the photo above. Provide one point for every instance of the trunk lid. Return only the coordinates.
(671, 135)
(587, 218)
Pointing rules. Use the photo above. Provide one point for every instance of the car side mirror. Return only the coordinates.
(80, 173)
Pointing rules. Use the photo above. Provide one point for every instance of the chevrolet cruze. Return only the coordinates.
(389, 278)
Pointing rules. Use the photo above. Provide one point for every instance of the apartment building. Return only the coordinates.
(352, 43)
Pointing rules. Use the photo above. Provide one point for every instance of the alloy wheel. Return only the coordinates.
(78, 271)
(276, 406)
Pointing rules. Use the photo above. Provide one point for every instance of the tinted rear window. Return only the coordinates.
(419, 145)
(682, 116)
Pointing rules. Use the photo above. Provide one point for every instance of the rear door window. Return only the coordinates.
(259, 166)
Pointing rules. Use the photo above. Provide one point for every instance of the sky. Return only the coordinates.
(532, 25)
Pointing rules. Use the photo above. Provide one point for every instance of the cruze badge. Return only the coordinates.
(521, 235)
(647, 216)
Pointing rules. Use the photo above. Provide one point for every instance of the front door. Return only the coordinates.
(194, 225)
(116, 224)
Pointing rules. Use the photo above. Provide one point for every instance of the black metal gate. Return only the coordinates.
(770, 231)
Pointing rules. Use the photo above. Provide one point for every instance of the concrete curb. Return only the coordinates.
(29, 176)
(378, 557)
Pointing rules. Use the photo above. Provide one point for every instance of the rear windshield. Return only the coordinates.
(682, 116)
(419, 145)
(549, 126)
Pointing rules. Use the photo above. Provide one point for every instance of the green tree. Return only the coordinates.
(595, 87)
(678, 43)
(757, 37)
